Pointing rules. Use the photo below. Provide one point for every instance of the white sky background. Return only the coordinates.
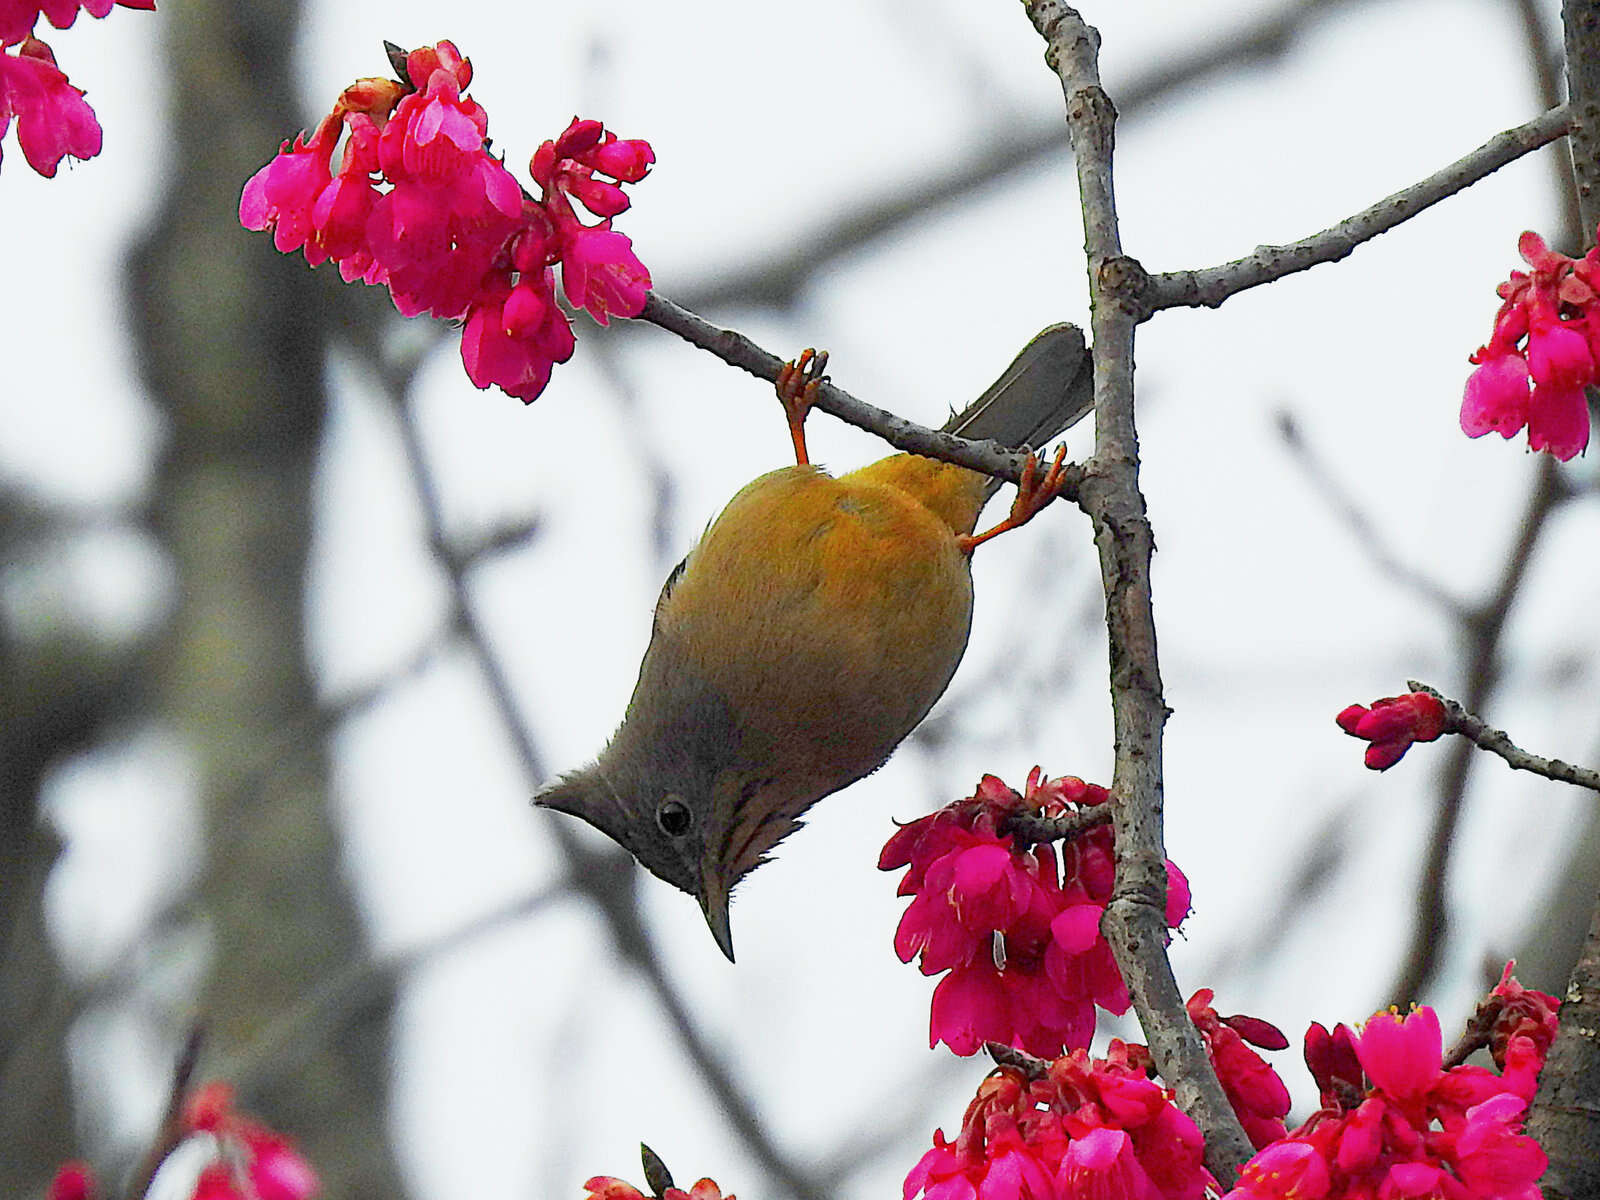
(526, 1062)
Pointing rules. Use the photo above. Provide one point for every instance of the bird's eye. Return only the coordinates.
(674, 817)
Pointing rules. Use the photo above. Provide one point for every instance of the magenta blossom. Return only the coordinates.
(1397, 1124)
(1393, 724)
(1087, 1128)
(1018, 931)
(1257, 1095)
(18, 17)
(1541, 356)
(419, 205)
(53, 119)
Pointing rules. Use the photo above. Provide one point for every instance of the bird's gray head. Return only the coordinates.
(665, 830)
(675, 790)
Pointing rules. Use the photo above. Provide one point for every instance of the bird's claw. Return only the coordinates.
(1033, 494)
(797, 385)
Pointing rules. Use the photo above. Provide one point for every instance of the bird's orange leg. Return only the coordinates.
(797, 389)
(1033, 494)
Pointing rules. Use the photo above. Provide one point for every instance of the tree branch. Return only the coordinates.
(1210, 286)
(739, 351)
(777, 278)
(1580, 20)
(1565, 1115)
(1496, 741)
(1135, 920)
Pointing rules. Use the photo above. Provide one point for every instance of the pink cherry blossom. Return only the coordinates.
(514, 341)
(605, 1187)
(282, 195)
(73, 1181)
(1285, 1170)
(53, 119)
(1018, 931)
(1258, 1096)
(419, 205)
(1541, 356)
(1496, 398)
(1086, 1130)
(18, 17)
(1401, 1054)
(1393, 724)
(1394, 1124)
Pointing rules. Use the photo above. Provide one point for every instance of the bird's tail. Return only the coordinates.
(1048, 388)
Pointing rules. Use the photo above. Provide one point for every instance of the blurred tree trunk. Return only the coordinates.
(35, 1110)
(56, 694)
(232, 345)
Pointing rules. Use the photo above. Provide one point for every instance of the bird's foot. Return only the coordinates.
(1033, 493)
(797, 386)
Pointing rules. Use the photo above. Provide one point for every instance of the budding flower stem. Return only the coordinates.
(1497, 742)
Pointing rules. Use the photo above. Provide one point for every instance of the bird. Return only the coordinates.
(808, 632)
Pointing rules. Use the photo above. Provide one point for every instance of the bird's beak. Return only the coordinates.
(714, 903)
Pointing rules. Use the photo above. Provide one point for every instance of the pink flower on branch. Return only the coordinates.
(54, 121)
(1541, 356)
(419, 205)
(1397, 1123)
(1017, 930)
(253, 1161)
(1258, 1096)
(248, 1161)
(18, 17)
(1393, 724)
(605, 1187)
(1084, 1128)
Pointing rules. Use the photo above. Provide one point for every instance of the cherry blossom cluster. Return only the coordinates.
(54, 121)
(418, 204)
(604, 1187)
(250, 1161)
(1393, 724)
(1395, 1123)
(1541, 354)
(1084, 1128)
(1253, 1088)
(1018, 931)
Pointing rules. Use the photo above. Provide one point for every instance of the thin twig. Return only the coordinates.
(1030, 827)
(1210, 286)
(1021, 1060)
(171, 1130)
(739, 351)
(1135, 919)
(1548, 61)
(304, 1031)
(1365, 532)
(1482, 631)
(1496, 741)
